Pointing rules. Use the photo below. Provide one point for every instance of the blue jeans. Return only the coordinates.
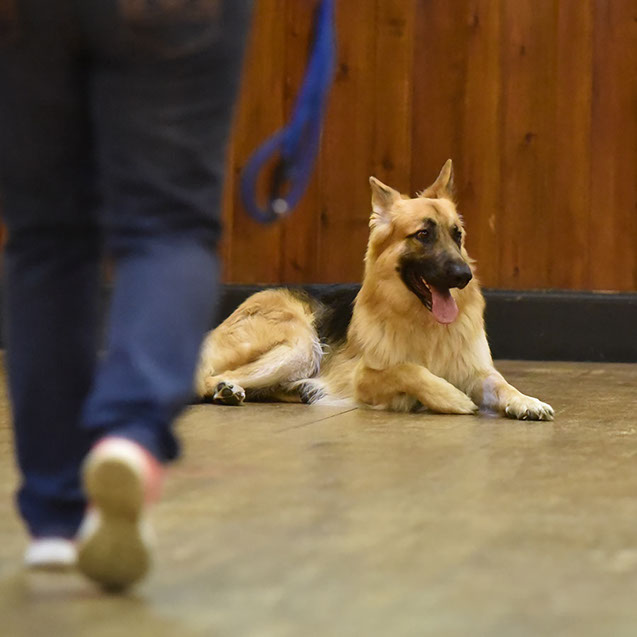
(114, 116)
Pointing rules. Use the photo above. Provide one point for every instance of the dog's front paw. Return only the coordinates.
(464, 405)
(228, 394)
(451, 401)
(527, 408)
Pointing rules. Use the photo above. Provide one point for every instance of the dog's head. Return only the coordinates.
(422, 241)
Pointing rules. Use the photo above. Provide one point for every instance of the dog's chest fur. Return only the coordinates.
(404, 331)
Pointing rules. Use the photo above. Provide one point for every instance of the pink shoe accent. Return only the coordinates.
(150, 469)
(120, 479)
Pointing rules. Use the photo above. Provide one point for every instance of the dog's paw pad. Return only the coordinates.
(228, 394)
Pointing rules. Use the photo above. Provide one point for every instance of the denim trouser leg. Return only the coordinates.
(51, 269)
(50, 320)
(109, 143)
(161, 121)
(163, 298)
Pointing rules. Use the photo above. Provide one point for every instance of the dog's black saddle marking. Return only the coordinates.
(334, 305)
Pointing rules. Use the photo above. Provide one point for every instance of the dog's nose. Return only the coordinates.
(458, 274)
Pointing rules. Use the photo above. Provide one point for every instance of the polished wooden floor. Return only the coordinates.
(291, 520)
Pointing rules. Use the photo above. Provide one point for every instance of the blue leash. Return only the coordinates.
(297, 144)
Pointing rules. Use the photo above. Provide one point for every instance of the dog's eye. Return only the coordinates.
(456, 234)
(422, 235)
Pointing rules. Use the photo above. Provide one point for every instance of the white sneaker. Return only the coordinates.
(51, 554)
(120, 478)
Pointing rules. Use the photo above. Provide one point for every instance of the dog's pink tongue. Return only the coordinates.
(443, 306)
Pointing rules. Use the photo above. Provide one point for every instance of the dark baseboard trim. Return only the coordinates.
(527, 325)
(555, 325)
(531, 325)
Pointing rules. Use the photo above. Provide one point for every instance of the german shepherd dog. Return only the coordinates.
(414, 340)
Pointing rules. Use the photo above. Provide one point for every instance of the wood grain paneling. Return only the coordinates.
(613, 214)
(392, 101)
(571, 157)
(343, 203)
(438, 80)
(255, 251)
(300, 247)
(479, 175)
(535, 100)
(528, 79)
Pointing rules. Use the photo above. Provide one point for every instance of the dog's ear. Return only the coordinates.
(443, 187)
(383, 200)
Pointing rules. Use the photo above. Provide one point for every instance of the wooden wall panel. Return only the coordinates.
(438, 80)
(528, 85)
(343, 203)
(571, 156)
(392, 98)
(613, 222)
(535, 100)
(300, 231)
(479, 170)
(255, 251)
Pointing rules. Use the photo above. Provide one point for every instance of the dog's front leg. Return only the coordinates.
(491, 391)
(387, 389)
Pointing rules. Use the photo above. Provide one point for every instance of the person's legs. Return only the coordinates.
(163, 89)
(163, 92)
(51, 262)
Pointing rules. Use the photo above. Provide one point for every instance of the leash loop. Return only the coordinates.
(296, 144)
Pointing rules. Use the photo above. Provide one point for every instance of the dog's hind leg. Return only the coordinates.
(309, 390)
(227, 393)
(274, 371)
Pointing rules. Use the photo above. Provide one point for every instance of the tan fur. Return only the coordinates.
(396, 356)
(268, 341)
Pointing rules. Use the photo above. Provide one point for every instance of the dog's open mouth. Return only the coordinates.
(437, 300)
